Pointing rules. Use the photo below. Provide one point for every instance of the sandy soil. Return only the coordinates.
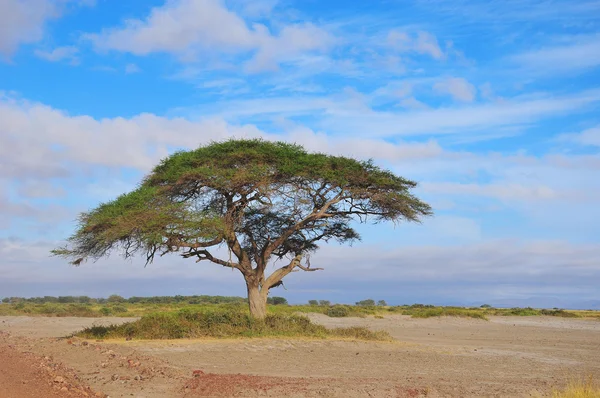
(436, 357)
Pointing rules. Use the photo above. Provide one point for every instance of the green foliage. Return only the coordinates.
(140, 306)
(250, 195)
(366, 303)
(106, 311)
(486, 306)
(338, 311)
(428, 312)
(115, 298)
(528, 311)
(313, 302)
(324, 302)
(277, 301)
(382, 303)
(224, 324)
(118, 309)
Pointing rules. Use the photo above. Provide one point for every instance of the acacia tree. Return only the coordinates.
(256, 201)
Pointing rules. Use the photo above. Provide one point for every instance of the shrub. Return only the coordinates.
(224, 324)
(561, 313)
(313, 302)
(366, 303)
(325, 303)
(118, 309)
(338, 311)
(105, 311)
(115, 298)
(277, 301)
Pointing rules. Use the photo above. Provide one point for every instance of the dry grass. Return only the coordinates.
(578, 389)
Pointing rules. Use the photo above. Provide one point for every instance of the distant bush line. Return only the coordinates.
(116, 305)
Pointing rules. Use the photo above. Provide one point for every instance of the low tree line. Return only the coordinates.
(362, 303)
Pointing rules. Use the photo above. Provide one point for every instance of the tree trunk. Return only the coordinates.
(257, 301)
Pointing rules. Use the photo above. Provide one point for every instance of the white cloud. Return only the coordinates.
(412, 103)
(23, 21)
(578, 54)
(40, 189)
(192, 28)
(457, 87)
(53, 139)
(340, 117)
(422, 43)
(504, 191)
(589, 137)
(59, 54)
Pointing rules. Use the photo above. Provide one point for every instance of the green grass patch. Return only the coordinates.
(224, 324)
(429, 312)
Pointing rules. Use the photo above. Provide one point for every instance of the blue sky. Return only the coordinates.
(492, 106)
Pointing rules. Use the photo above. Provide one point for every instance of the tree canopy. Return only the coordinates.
(258, 199)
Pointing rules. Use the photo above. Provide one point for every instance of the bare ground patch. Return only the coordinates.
(432, 357)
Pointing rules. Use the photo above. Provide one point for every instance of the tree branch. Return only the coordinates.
(315, 215)
(205, 255)
(279, 274)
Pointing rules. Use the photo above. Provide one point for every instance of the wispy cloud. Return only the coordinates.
(576, 55)
(588, 137)
(23, 21)
(68, 53)
(341, 116)
(460, 89)
(189, 28)
(422, 43)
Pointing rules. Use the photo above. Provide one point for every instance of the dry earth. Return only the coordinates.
(436, 357)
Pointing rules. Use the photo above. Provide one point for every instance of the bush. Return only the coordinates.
(366, 303)
(313, 302)
(325, 303)
(561, 313)
(118, 309)
(115, 298)
(382, 303)
(224, 324)
(105, 311)
(277, 301)
(338, 311)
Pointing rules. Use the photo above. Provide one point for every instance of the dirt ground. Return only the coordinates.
(435, 357)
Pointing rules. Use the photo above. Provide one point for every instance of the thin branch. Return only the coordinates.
(315, 215)
(307, 268)
(206, 255)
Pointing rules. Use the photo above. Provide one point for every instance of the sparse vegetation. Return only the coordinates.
(277, 301)
(578, 389)
(444, 311)
(366, 303)
(229, 323)
(140, 306)
(338, 311)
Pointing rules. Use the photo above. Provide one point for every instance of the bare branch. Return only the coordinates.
(206, 255)
(307, 268)
(315, 215)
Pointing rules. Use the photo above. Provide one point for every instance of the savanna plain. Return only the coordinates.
(191, 348)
